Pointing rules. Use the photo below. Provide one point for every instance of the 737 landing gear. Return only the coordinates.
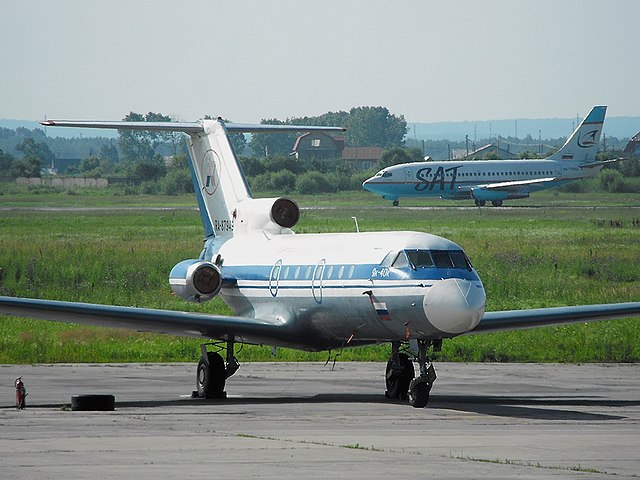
(399, 374)
(213, 373)
(496, 203)
(395, 203)
(420, 387)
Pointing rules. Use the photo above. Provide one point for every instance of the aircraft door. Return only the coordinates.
(317, 279)
(274, 278)
(408, 177)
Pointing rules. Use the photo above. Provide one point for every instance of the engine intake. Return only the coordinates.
(285, 212)
(195, 280)
(272, 215)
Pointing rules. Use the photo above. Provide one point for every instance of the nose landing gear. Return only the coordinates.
(420, 386)
(400, 380)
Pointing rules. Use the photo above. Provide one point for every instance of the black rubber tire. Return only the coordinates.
(419, 393)
(210, 379)
(398, 380)
(87, 403)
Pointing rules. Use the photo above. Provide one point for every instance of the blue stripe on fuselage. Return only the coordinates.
(309, 274)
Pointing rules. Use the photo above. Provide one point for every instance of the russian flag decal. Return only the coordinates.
(379, 307)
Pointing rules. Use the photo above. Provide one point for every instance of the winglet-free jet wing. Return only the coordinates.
(514, 189)
(516, 185)
(250, 330)
(275, 331)
(538, 317)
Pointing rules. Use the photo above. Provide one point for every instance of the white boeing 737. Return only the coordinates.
(496, 180)
(309, 291)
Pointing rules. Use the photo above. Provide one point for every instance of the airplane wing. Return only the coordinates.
(516, 185)
(540, 317)
(271, 331)
(249, 330)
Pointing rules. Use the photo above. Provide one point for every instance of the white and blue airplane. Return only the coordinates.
(310, 291)
(496, 180)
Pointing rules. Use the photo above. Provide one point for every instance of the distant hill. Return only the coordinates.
(620, 127)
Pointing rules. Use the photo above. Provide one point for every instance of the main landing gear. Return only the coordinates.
(482, 203)
(401, 384)
(213, 371)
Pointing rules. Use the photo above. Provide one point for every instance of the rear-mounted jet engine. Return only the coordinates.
(195, 280)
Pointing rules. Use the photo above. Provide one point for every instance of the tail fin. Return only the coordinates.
(218, 180)
(224, 199)
(582, 145)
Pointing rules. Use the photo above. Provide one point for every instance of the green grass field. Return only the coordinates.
(555, 249)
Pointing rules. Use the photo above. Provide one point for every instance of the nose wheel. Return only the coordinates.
(399, 374)
(420, 387)
(400, 381)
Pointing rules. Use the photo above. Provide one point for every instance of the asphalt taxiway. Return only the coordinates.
(308, 420)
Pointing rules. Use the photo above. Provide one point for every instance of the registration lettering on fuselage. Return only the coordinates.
(380, 272)
(223, 225)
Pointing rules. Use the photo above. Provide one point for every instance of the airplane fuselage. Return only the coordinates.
(457, 180)
(351, 288)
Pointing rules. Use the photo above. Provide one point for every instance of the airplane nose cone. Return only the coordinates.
(454, 305)
(374, 185)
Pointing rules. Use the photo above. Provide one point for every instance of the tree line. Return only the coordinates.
(149, 162)
(156, 162)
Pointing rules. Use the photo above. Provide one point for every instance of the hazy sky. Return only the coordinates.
(247, 60)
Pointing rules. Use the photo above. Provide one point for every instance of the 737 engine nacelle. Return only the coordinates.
(492, 195)
(485, 194)
(195, 280)
(273, 215)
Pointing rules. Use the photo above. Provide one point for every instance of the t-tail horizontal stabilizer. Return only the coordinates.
(224, 198)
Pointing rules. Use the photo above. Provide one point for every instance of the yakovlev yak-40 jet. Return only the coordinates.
(309, 291)
(496, 180)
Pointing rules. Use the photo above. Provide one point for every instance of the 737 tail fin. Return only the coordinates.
(224, 199)
(582, 145)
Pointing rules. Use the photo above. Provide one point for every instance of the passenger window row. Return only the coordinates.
(327, 272)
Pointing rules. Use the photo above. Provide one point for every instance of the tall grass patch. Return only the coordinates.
(527, 258)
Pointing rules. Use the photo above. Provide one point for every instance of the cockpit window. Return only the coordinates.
(389, 259)
(387, 174)
(420, 258)
(401, 261)
(442, 259)
(460, 259)
(437, 258)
